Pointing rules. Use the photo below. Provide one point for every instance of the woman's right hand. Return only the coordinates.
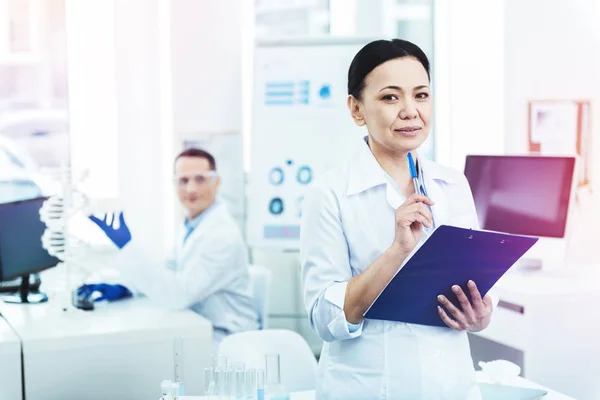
(411, 216)
(363, 289)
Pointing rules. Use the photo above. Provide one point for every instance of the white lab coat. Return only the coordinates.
(208, 274)
(347, 223)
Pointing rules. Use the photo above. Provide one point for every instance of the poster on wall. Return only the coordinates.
(301, 128)
(562, 127)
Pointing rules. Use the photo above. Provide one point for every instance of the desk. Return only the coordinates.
(547, 321)
(119, 350)
(10, 363)
(522, 382)
(518, 381)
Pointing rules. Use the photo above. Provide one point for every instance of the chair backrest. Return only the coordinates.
(298, 363)
(260, 282)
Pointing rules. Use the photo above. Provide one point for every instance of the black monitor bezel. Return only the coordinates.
(572, 176)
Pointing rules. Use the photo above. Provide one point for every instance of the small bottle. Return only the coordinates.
(175, 389)
(165, 388)
(274, 388)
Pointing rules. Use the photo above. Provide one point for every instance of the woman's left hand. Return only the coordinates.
(475, 314)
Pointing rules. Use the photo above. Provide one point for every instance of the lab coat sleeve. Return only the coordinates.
(475, 225)
(132, 255)
(214, 263)
(325, 266)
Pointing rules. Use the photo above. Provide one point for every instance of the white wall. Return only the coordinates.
(551, 53)
(142, 160)
(114, 59)
(551, 49)
(142, 74)
(92, 93)
(206, 69)
(206, 48)
(468, 77)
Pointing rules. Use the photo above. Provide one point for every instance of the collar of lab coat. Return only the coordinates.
(203, 221)
(366, 173)
(191, 224)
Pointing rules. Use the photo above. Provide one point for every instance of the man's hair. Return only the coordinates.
(194, 152)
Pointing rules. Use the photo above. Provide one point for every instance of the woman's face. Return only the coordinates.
(396, 105)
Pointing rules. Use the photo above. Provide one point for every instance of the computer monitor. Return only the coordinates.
(526, 195)
(21, 251)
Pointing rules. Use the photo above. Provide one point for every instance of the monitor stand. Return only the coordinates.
(24, 295)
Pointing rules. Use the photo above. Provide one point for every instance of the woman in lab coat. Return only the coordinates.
(362, 220)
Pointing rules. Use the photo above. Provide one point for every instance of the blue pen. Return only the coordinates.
(413, 173)
(419, 189)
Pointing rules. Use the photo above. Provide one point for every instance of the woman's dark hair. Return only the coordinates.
(376, 53)
(199, 153)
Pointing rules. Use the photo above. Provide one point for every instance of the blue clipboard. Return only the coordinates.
(450, 256)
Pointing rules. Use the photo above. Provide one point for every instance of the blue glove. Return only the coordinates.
(119, 236)
(108, 292)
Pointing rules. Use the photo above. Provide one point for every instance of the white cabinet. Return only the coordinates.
(10, 363)
(546, 322)
(119, 350)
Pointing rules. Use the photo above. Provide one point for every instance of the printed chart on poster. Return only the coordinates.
(301, 129)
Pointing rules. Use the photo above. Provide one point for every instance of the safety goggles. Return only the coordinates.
(199, 179)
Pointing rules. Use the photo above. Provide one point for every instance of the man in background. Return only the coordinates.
(208, 270)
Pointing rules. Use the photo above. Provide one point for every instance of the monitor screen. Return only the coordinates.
(21, 230)
(526, 195)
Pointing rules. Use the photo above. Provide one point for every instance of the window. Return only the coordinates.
(291, 18)
(33, 91)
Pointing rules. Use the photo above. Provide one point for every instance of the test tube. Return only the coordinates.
(250, 391)
(231, 382)
(235, 368)
(219, 375)
(260, 385)
(272, 364)
(178, 364)
(209, 381)
(240, 384)
(178, 359)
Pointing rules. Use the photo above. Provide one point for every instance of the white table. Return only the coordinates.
(518, 381)
(522, 382)
(545, 319)
(119, 350)
(10, 363)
